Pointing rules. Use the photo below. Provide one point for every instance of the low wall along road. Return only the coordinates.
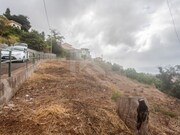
(12, 75)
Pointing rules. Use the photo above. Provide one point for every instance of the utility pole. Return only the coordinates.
(51, 41)
(48, 23)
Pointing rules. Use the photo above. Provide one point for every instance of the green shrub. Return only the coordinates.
(142, 77)
(170, 80)
(165, 111)
(115, 95)
(176, 89)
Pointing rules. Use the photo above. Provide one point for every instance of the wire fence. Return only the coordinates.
(9, 63)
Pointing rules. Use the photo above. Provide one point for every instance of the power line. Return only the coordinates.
(45, 9)
(46, 14)
(173, 22)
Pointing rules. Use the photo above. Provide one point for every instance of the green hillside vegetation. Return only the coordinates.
(142, 77)
(21, 19)
(167, 81)
(8, 34)
(170, 80)
(35, 40)
(56, 39)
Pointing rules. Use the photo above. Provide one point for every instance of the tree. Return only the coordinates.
(166, 76)
(57, 36)
(170, 80)
(42, 35)
(116, 67)
(8, 34)
(176, 89)
(56, 40)
(131, 73)
(23, 20)
(34, 40)
(7, 13)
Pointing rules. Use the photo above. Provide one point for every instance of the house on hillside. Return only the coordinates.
(98, 59)
(15, 24)
(5, 21)
(85, 53)
(76, 54)
(67, 46)
(72, 53)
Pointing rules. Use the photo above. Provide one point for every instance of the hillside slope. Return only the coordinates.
(164, 109)
(71, 97)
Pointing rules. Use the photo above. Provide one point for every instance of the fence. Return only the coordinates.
(10, 64)
(13, 73)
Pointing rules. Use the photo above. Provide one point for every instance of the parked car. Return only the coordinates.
(21, 45)
(19, 53)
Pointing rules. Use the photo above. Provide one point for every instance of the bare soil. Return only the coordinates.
(60, 100)
(74, 98)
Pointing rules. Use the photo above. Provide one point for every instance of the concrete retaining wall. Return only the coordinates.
(9, 86)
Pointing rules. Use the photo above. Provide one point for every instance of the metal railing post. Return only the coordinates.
(26, 60)
(9, 67)
(0, 64)
(33, 58)
(39, 56)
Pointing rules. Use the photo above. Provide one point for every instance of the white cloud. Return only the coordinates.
(133, 33)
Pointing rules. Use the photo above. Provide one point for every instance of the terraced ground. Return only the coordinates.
(74, 98)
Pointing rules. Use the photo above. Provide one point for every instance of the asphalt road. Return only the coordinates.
(15, 66)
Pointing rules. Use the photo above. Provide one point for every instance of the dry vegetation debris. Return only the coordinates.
(68, 97)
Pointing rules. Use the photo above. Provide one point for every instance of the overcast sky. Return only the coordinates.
(133, 33)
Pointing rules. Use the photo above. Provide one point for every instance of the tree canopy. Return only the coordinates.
(7, 13)
(34, 39)
(56, 40)
(21, 19)
(170, 80)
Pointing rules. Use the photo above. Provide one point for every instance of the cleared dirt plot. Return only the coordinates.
(74, 98)
(58, 100)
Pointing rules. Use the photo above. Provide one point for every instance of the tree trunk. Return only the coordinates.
(127, 109)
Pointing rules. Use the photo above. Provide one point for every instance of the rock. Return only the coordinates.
(6, 107)
(17, 98)
(27, 97)
(11, 105)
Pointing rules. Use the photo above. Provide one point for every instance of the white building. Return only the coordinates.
(74, 54)
(15, 24)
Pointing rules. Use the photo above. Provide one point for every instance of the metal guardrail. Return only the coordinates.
(32, 55)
